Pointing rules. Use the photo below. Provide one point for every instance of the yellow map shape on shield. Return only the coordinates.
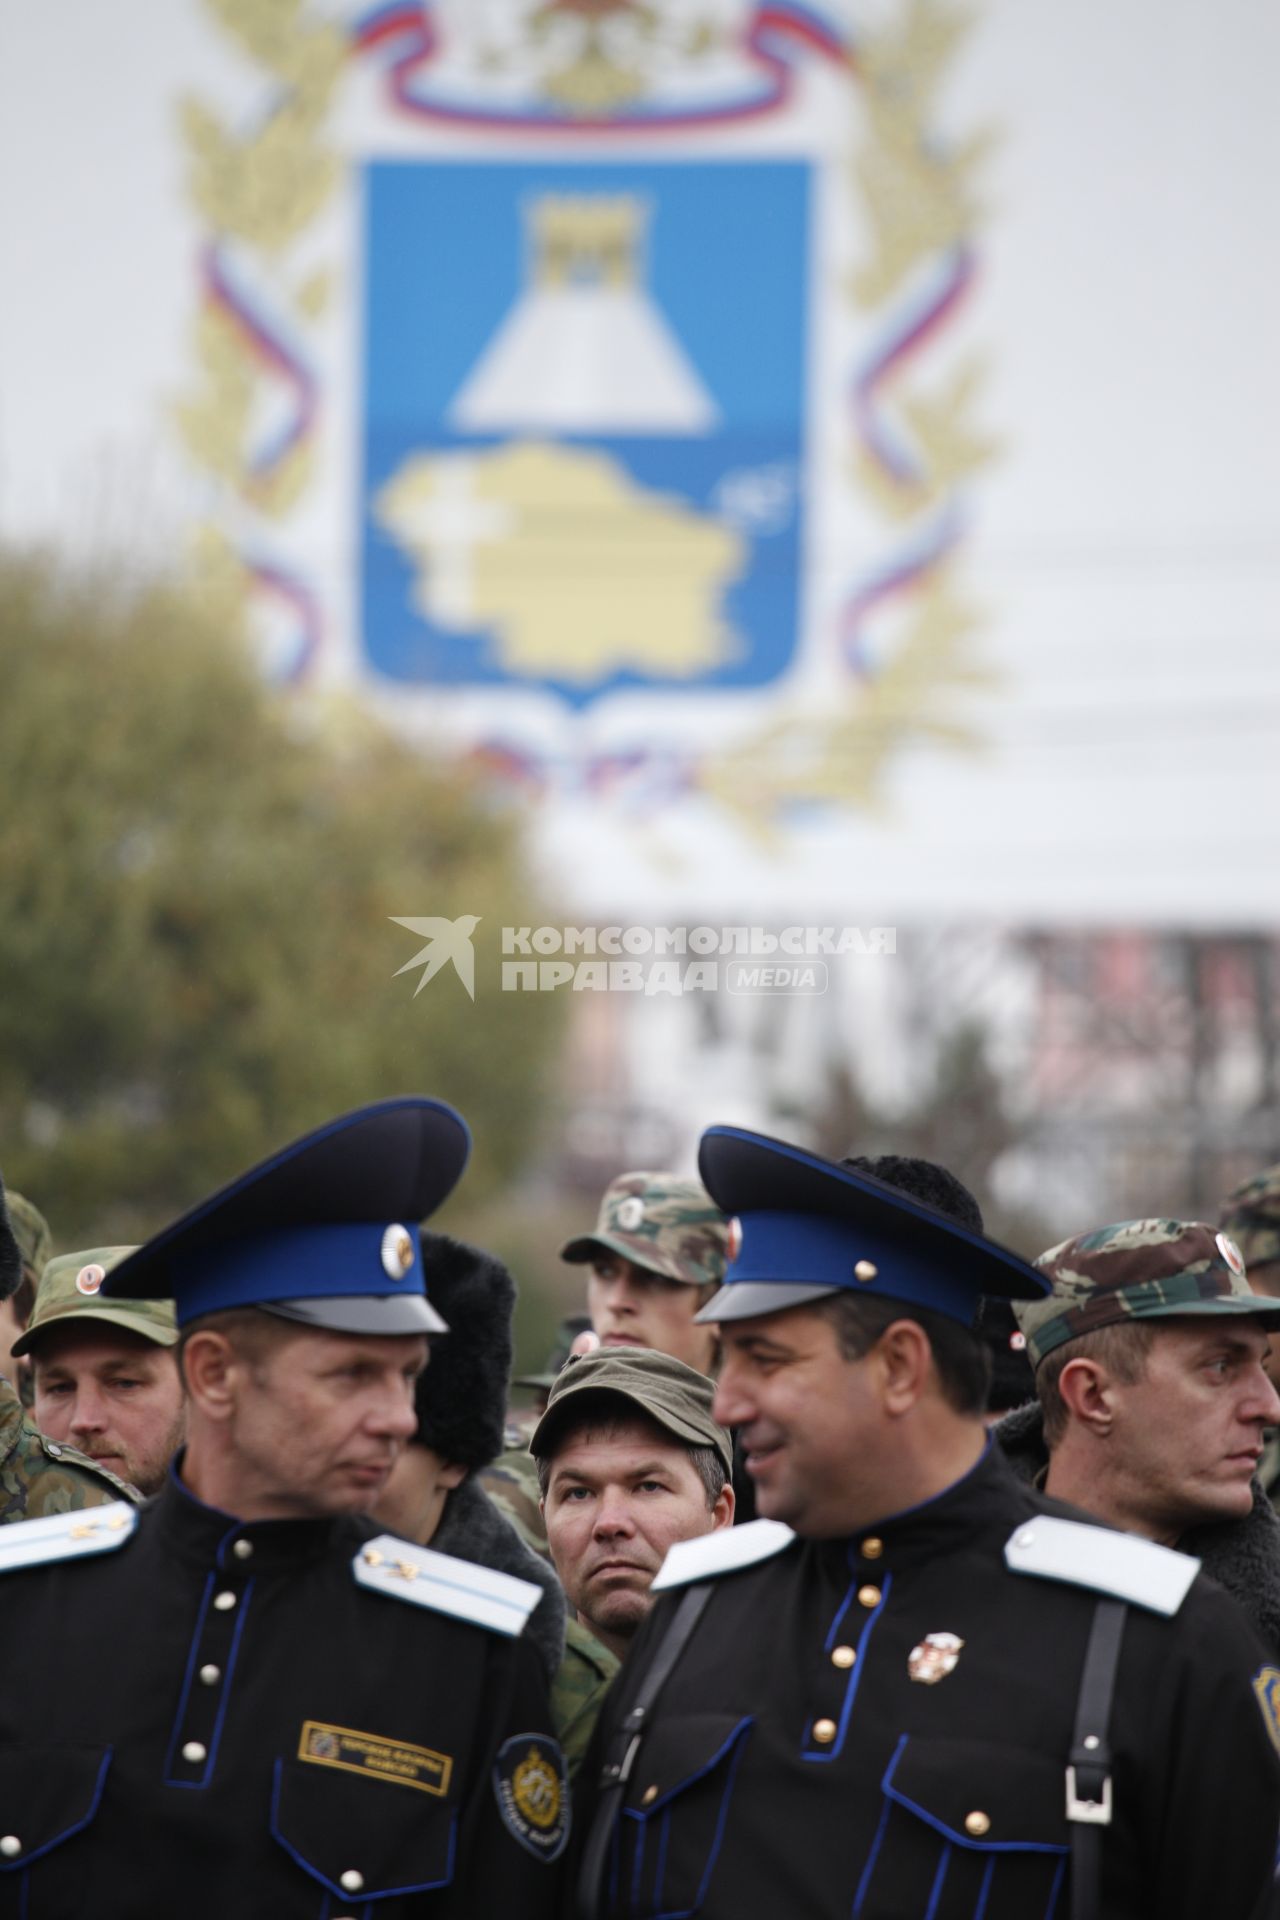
(576, 570)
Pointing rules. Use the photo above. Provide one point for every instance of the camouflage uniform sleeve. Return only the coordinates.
(39, 1477)
(578, 1691)
(511, 1482)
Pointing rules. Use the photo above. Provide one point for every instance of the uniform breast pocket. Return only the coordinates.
(674, 1815)
(49, 1797)
(965, 1830)
(362, 1833)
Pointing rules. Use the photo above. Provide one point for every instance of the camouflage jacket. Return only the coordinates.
(578, 1690)
(39, 1476)
(511, 1482)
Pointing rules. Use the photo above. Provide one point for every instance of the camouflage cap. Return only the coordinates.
(670, 1226)
(1251, 1215)
(69, 1290)
(675, 1397)
(31, 1229)
(1137, 1270)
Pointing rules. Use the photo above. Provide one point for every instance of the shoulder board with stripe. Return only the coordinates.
(443, 1584)
(66, 1536)
(727, 1550)
(1122, 1564)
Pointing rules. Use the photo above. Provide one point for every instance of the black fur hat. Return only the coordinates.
(10, 1252)
(923, 1180)
(462, 1395)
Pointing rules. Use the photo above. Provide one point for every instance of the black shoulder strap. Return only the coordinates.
(1089, 1768)
(624, 1744)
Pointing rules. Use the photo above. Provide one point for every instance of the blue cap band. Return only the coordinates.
(298, 1263)
(814, 1250)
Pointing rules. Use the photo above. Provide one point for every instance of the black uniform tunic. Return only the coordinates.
(216, 1719)
(794, 1769)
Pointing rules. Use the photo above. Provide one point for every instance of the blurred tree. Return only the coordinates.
(197, 955)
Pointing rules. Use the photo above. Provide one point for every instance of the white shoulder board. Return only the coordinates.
(724, 1551)
(436, 1580)
(1121, 1564)
(66, 1536)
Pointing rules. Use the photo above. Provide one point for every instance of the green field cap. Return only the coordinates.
(70, 1289)
(675, 1397)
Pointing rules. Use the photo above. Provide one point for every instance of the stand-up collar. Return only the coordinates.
(208, 1536)
(988, 1496)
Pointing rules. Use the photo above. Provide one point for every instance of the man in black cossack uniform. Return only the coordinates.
(916, 1689)
(244, 1699)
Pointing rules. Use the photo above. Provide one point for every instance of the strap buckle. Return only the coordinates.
(618, 1772)
(1089, 1813)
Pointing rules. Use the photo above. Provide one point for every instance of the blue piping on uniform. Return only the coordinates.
(865, 1881)
(1055, 1890)
(685, 1913)
(77, 1826)
(930, 1912)
(388, 1893)
(833, 1752)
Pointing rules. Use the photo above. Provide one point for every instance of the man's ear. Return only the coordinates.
(903, 1359)
(722, 1511)
(1084, 1387)
(210, 1365)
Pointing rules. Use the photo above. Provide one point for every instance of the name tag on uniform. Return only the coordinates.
(392, 1760)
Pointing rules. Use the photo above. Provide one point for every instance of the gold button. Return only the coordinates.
(210, 1676)
(843, 1657)
(871, 1549)
(224, 1602)
(242, 1549)
(648, 1797)
(977, 1824)
(865, 1270)
(868, 1596)
(824, 1731)
(351, 1881)
(10, 1846)
(194, 1753)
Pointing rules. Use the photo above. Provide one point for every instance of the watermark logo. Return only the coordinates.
(649, 960)
(448, 941)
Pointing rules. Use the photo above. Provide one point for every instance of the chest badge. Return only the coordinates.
(531, 1784)
(936, 1656)
(368, 1753)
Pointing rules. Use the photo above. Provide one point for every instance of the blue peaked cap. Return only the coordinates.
(324, 1232)
(810, 1228)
